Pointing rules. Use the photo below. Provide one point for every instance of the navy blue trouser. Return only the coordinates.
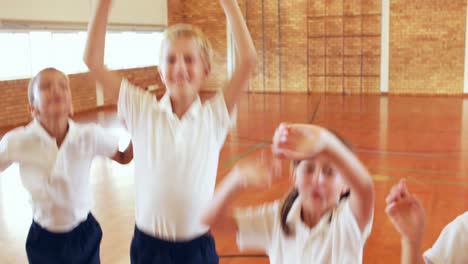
(146, 249)
(78, 246)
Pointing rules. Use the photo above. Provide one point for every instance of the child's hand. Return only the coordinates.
(299, 141)
(406, 213)
(260, 174)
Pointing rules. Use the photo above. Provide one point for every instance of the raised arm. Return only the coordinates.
(247, 59)
(241, 178)
(94, 52)
(407, 216)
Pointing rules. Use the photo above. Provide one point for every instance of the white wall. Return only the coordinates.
(26, 14)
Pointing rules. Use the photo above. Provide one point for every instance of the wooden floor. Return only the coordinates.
(423, 139)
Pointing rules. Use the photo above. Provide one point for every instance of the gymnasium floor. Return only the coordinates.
(423, 139)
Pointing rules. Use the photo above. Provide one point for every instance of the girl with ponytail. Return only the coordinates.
(325, 218)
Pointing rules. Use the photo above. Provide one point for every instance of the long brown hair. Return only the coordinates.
(294, 193)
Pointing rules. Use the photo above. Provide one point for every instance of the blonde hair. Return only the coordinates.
(188, 31)
(33, 82)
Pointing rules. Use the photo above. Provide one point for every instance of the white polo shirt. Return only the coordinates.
(176, 161)
(452, 244)
(57, 178)
(336, 238)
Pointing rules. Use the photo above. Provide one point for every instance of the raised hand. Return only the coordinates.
(406, 213)
(299, 141)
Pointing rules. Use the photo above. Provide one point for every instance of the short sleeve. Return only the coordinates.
(132, 103)
(256, 226)
(106, 143)
(452, 244)
(222, 120)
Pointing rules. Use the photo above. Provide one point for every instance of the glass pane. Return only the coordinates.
(15, 56)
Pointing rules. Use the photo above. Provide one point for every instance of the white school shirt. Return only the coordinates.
(57, 179)
(336, 238)
(452, 244)
(176, 161)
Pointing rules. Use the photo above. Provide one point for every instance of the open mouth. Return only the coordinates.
(315, 195)
(57, 100)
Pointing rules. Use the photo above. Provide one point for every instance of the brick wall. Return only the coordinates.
(175, 9)
(293, 43)
(427, 46)
(344, 46)
(279, 32)
(342, 39)
(284, 31)
(14, 102)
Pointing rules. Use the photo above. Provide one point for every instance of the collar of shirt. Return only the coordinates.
(166, 106)
(36, 126)
(294, 219)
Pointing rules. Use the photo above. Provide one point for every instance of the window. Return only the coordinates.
(14, 56)
(24, 54)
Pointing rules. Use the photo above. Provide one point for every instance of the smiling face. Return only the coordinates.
(185, 60)
(183, 70)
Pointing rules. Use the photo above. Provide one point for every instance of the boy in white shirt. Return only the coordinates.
(54, 156)
(177, 139)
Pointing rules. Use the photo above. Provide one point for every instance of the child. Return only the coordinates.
(407, 216)
(54, 156)
(326, 218)
(177, 139)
